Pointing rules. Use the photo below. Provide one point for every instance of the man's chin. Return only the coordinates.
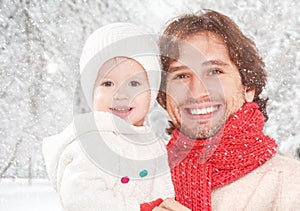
(200, 132)
(196, 133)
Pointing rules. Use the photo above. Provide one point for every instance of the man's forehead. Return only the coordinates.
(196, 53)
(200, 44)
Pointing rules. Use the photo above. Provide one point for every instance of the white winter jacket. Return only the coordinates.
(100, 162)
(274, 186)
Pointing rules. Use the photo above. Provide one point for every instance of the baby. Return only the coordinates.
(111, 159)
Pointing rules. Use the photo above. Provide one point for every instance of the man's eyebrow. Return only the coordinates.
(205, 63)
(177, 68)
(215, 62)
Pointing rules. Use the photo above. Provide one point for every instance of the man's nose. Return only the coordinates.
(198, 88)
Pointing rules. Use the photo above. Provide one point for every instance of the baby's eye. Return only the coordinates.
(134, 83)
(107, 83)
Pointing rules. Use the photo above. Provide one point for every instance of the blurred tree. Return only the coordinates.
(40, 46)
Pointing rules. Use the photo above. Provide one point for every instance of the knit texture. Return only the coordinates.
(198, 166)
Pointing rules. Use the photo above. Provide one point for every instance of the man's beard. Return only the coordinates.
(203, 130)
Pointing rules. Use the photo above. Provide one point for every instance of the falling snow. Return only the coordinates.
(41, 42)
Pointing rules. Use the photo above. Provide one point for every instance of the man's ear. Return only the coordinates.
(249, 95)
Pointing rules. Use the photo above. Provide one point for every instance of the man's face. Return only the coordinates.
(204, 87)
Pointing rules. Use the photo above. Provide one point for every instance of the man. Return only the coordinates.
(219, 155)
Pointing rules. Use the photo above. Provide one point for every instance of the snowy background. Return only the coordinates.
(40, 46)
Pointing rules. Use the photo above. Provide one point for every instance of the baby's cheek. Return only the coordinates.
(101, 102)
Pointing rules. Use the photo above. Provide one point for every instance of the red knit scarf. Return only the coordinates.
(198, 166)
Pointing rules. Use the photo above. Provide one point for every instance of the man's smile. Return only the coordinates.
(201, 111)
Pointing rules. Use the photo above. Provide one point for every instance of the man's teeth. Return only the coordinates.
(201, 111)
(121, 109)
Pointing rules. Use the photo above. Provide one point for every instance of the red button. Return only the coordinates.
(125, 180)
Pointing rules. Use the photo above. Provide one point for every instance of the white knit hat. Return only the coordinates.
(119, 39)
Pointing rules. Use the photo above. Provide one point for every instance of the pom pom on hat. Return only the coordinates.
(119, 40)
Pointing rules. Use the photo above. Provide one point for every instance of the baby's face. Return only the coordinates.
(122, 88)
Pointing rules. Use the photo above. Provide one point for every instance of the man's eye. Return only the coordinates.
(214, 72)
(107, 83)
(181, 76)
(134, 83)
